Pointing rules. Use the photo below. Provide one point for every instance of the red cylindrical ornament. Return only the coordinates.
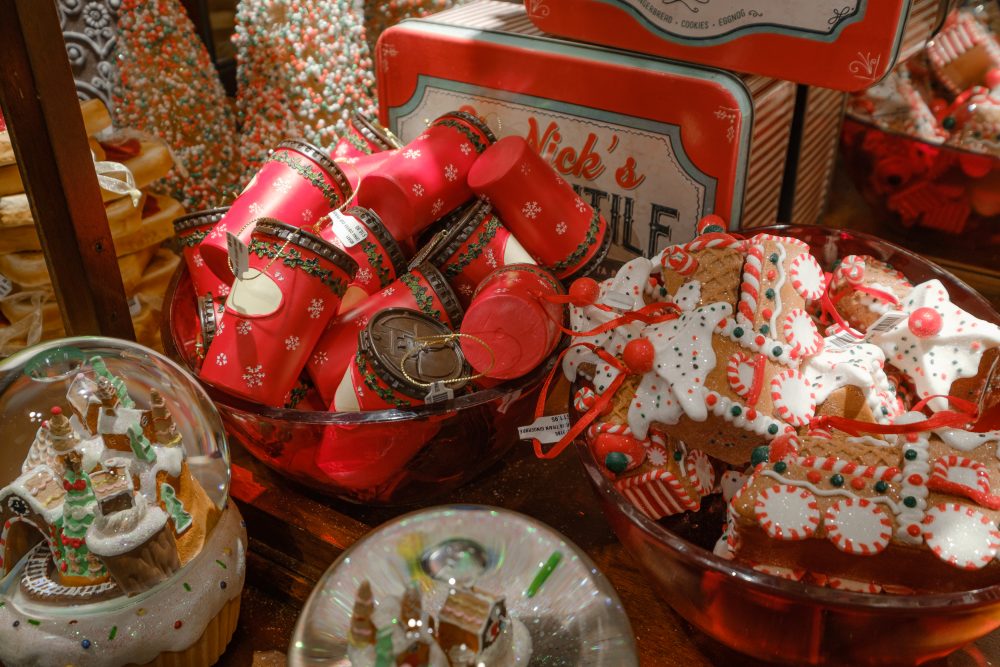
(276, 313)
(473, 244)
(423, 289)
(560, 230)
(298, 185)
(396, 362)
(191, 230)
(364, 136)
(512, 317)
(426, 179)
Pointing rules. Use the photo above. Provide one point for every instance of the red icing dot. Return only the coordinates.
(992, 78)
(711, 400)
(751, 414)
(639, 355)
(759, 340)
(858, 483)
(584, 292)
(813, 476)
(771, 274)
(178, 624)
(913, 529)
(925, 322)
(766, 313)
(915, 480)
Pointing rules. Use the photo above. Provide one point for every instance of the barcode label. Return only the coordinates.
(239, 254)
(886, 323)
(842, 340)
(439, 393)
(348, 229)
(546, 429)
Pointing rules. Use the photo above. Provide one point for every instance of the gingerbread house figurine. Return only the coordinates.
(164, 429)
(362, 632)
(471, 622)
(113, 487)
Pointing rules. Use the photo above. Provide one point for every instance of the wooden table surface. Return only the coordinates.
(295, 534)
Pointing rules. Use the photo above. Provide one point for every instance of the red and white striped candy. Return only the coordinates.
(741, 373)
(793, 397)
(750, 287)
(786, 512)
(778, 571)
(801, 333)
(807, 277)
(680, 260)
(961, 535)
(853, 586)
(657, 494)
(700, 472)
(584, 399)
(858, 526)
(851, 270)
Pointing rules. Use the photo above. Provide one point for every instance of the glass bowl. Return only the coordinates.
(574, 616)
(790, 622)
(387, 457)
(114, 480)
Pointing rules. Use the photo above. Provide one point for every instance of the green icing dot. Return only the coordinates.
(948, 123)
(678, 456)
(738, 332)
(773, 429)
(773, 258)
(736, 411)
(769, 293)
(881, 486)
(616, 462)
(776, 351)
(837, 480)
(760, 454)
(910, 455)
(910, 501)
(764, 329)
(780, 466)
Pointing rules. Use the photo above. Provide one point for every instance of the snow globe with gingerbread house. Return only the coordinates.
(118, 545)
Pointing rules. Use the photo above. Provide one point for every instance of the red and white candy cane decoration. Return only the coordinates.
(786, 512)
(793, 397)
(961, 535)
(700, 472)
(680, 260)
(750, 287)
(657, 494)
(832, 464)
(858, 526)
(746, 375)
(962, 476)
(807, 277)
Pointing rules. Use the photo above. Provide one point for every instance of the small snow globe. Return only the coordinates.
(117, 542)
(463, 586)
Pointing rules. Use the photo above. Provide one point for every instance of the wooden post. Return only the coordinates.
(39, 103)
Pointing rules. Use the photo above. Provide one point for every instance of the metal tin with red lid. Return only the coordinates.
(401, 355)
(276, 312)
(298, 185)
(423, 289)
(653, 145)
(472, 244)
(191, 230)
(560, 230)
(511, 316)
(359, 232)
(426, 179)
(841, 44)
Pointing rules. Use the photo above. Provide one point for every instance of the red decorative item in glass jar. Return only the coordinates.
(426, 179)
(298, 185)
(560, 230)
(191, 230)
(276, 312)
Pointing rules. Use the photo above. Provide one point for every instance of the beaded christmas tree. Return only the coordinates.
(382, 15)
(303, 68)
(73, 558)
(171, 89)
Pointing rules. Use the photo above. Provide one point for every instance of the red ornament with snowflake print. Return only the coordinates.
(276, 312)
(298, 185)
(560, 230)
(191, 230)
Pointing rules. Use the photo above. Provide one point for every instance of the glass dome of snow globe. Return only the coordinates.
(117, 541)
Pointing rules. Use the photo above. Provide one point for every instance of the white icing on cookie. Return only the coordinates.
(933, 360)
(967, 441)
(858, 526)
(914, 482)
(859, 365)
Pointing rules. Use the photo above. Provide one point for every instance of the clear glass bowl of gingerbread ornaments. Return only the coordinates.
(382, 457)
(114, 480)
(791, 622)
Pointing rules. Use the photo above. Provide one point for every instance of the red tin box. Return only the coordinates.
(841, 44)
(654, 145)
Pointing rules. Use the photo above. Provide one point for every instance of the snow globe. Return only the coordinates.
(117, 541)
(463, 585)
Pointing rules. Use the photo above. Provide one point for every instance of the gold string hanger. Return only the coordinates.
(442, 340)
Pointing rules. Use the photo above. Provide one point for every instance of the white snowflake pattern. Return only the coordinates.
(254, 375)
(279, 276)
(437, 206)
(525, 169)
(221, 359)
(292, 343)
(220, 326)
(308, 215)
(657, 456)
(363, 275)
(491, 258)
(451, 172)
(465, 288)
(348, 160)
(223, 289)
(581, 206)
(418, 189)
(198, 261)
(531, 210)
(282, 185)
(362, 322)
(389, 291)
(256, 210)
(320, 358)
(423, 137)
(315, 308)
(341, 150)
(465, 148)
(561, 228)
(411, 153)
(243, 328)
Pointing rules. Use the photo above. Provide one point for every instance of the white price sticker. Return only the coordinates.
(842, 340)
(546, 429)
(6, 286)
(886, 323)
(239, 254)
(348, 229)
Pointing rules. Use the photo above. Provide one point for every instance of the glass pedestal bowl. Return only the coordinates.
(388, 457)
(789, 622)
(562, 612)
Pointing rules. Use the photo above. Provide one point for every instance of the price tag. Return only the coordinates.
(546, 429)
(6, 286)
(348, 229)
(438, 393)
(619, 301)
(842, 340)
(239, 254)
(886, 323)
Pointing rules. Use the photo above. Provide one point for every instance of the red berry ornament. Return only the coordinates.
(711, 224)
(617, 446)
(925, 322)
(584, 292)
(639, 355)
(992, 78)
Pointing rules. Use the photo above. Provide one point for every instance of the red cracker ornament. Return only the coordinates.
(423, 288)
(191, 230)
(560, 230)
(512, 317)
(298, 185)
(426, 179)
(274, 316)
(363, 137)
